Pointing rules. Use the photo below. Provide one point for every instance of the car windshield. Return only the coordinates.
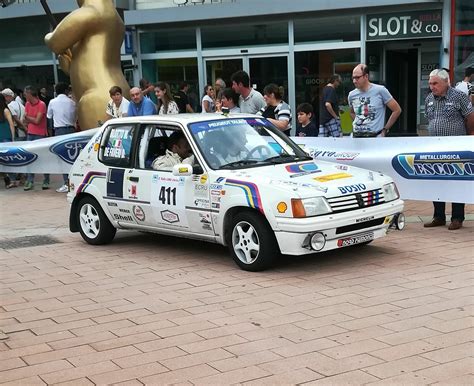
(243, 143)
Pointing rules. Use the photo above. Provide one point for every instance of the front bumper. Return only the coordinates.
(293, 235)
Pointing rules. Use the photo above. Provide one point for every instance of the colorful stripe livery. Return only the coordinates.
(251, 193)
(305, 167)
(88, 180)
(372, 197)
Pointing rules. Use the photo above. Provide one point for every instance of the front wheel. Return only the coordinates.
(94, 225)
(252, 243)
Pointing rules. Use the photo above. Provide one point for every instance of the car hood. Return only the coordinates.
(309, 178)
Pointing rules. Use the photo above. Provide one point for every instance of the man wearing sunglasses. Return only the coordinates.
(368, 101)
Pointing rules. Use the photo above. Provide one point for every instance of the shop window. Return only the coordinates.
(174, 72)
(333, 28)
(464, 15)
(463, 55)
(312, 72)
(171, 39)
(248, 35)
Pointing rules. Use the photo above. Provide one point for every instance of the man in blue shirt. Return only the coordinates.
(139, 105)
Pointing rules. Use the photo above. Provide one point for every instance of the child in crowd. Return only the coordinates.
(306, 126)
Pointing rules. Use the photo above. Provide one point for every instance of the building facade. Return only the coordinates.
(297, 45)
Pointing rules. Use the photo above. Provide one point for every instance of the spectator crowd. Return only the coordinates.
(30, 114)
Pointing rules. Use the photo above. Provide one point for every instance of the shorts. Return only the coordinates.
(331, 128)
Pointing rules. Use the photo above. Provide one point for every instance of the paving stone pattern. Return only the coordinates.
(150, 309)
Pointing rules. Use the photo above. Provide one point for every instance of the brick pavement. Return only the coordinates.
(150, 309)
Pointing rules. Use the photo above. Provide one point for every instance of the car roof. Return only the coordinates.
(184, 119)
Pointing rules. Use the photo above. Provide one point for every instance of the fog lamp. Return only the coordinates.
(318, 241)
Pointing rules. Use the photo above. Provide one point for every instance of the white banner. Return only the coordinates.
(424, 168)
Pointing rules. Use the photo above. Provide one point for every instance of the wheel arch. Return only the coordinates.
(73, 223)
(229, 215)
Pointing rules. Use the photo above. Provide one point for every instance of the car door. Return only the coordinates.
(117, 155)
(162, 200)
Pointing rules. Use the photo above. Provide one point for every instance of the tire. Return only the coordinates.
(251, 242)
(94, 226)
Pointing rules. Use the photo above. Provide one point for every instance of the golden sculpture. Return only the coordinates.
(87, 42)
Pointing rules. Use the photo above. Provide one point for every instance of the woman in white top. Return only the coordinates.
(117, 106)
(207, 103)
(166, 103)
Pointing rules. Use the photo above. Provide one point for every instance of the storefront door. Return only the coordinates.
(262, 70)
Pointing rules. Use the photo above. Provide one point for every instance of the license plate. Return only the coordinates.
(355, 240)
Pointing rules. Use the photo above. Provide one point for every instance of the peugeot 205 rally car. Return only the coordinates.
(250, 187)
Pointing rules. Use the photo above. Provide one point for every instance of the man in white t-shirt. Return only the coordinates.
(250, 100)
(18, 113)
(467, 84)
(62, 110)
(117, 106)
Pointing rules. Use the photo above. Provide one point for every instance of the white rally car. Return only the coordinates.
(250, 187)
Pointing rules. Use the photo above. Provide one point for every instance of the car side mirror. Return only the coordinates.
(182, 170)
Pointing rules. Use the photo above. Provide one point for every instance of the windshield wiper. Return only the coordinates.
(243, 162)
(282, 158)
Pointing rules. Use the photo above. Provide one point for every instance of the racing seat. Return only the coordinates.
(156, 148)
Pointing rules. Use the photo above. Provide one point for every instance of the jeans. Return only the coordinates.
(457, 211)
(62, 131)
(31, 176)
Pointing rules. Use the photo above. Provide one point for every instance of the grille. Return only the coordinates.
(356, 201)
(362, 225)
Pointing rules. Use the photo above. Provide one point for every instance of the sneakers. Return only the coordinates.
(436, 222)
(28, 185)
(455, 224)
(62, 189)
(45, 186)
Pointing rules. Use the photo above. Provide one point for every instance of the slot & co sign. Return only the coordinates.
(409, 25)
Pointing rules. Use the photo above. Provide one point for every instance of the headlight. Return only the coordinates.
(390, 192)
(308, 207)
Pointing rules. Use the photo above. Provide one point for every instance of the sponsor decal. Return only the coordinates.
(371, 176)
(169, 216)
(205, 218)
(121, 217)
(294, 184)
(215, 192)
(215, 186)
(455, 165)
(110, 203)
(16, 156)
(88, 179)
(363, 238)
(282, 207)
(216, 205)
(78, 175)
(352, 188)
(69, 149)
(251, 192)
(155, 178)
(183, 170)
(331, 177)
(302, 169)
(122, 210)
(364, 219)
(334, 155)
(133, 191)
(341, 167)
(138, 212)
(220, 180)
(203, 179)
(200, 190)
(201, 203)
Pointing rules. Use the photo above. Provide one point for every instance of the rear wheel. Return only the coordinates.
(94, 225)
(252, 243)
